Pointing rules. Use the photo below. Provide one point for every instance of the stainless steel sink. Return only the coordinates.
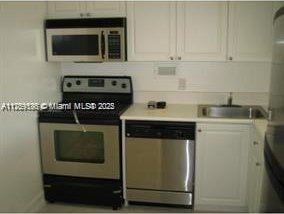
(215, 111)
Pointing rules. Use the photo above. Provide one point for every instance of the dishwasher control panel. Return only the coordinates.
(161, 129)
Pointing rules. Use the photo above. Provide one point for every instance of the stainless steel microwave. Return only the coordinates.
(86, 40)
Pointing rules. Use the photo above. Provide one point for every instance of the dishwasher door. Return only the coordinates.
(159, 164)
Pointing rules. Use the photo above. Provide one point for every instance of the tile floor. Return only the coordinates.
(79, 208)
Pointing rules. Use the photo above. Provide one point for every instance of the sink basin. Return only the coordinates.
(249, 112)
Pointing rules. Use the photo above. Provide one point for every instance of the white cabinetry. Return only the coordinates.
(202, 31)
(221, 167)
(250, 31)
(72, 9)
(256, 169)
(177, 31)
(151, 31)
(199, 31)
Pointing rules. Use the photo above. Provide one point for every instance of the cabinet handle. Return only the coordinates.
(88, 14)
(230, 58)
(199, 130)
(179, 57)
(171, 58)
(103, 44)
(255, 143)
(257, 164)
(81, 14)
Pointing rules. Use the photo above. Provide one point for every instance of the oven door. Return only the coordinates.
(67, 150)
(75, 44)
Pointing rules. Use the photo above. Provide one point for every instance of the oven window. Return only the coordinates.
(78, 146)
(75, 45)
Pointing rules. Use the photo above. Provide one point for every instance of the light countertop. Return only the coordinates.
(260, 127)
(173, 112)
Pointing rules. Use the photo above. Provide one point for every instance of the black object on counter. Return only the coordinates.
(161, 104)
(153, 104)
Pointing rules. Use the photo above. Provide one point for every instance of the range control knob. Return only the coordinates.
(114, 82)
(78, 82)
(69, 84)
(123, 85)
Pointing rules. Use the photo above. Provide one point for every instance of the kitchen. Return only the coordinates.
(200, 53)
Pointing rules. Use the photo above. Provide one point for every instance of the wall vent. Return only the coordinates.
(166, 71)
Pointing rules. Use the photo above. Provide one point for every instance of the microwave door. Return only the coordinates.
(74, 45)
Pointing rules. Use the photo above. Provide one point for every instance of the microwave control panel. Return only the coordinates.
(114, 45)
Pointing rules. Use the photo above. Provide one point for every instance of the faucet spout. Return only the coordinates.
(230, 99)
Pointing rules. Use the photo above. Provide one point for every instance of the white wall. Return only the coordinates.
(205, 82)
(24, 77)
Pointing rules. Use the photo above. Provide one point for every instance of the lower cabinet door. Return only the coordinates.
(255, 174)
(221, 167)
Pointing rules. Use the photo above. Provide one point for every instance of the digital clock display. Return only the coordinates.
(96, 83)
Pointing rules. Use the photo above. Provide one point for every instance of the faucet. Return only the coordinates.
(230, 99)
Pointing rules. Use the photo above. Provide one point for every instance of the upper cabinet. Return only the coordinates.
(151, 31)
(177, 31)
(106, 8)
(250, 31)
(201, 31)
(85, 9)
(64, 9)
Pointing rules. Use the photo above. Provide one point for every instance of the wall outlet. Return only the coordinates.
(181, 84)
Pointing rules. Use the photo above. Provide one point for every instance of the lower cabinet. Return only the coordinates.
(256, 173)
(222, 152)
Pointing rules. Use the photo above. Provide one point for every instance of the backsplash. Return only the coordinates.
(191, 83)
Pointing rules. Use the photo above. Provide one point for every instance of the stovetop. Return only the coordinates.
(90, 100)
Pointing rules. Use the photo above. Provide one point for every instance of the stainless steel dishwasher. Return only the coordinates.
(160, 162)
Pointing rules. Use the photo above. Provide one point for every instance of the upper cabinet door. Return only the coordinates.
(151, 31)
(250, 31)
(86, 9)
(202, 31)
(106, 8)
(66, 9)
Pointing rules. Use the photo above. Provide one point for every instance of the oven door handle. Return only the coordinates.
(78, 122)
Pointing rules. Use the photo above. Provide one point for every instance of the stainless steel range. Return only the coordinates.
(81, 142)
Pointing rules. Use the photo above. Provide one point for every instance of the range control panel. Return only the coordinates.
(97, 84)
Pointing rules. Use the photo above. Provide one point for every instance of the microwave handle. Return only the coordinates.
(103, 44)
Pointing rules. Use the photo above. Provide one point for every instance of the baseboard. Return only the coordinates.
(215, 208)
(36, 204)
